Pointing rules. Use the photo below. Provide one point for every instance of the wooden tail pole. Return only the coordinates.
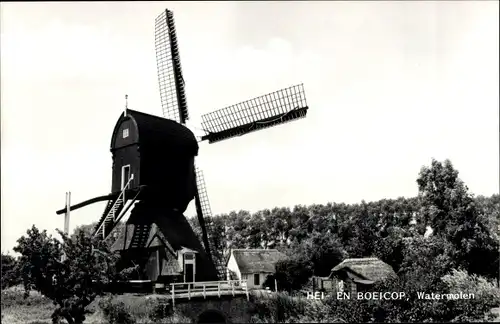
(66, 219)
(66, 216)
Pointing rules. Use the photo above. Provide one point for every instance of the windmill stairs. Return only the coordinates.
(140, 236)
(114, 211)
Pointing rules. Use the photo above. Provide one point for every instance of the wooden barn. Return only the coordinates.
(353, 275)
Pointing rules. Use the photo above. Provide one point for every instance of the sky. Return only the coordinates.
(390, 85)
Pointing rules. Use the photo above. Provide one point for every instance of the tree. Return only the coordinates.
(291, 274)
(237, 233)
(451, 212)
(362, 231)
(390, 248)
(426, 258)
(112, 237)
(71, 284)
(489, 208)
(10, 271)
(323, 251)
(278, 225)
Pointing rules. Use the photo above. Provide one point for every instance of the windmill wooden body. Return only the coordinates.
(155, 175)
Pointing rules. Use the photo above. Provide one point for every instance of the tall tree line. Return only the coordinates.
(465, 229)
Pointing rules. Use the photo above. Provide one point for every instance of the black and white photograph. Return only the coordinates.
(250, 162)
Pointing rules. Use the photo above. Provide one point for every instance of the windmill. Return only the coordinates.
(157, 236)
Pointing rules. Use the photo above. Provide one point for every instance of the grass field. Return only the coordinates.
(16, 309)
(36, 309)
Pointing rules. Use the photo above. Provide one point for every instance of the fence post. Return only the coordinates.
(173, 293)
(204, 292)
(189, 291)
(218, 288)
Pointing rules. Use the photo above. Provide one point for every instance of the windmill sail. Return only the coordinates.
(174, 106)
(205, 211)
(262, 112)
(172, 93)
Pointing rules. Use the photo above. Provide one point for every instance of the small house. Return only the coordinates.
(353, 275)
(254, 265)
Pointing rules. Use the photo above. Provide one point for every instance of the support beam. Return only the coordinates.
(88, 202)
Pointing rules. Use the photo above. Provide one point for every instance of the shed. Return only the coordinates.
(352, 275)
(254, 265)
(159, 152)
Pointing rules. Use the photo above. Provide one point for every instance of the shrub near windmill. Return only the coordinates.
(154, 171)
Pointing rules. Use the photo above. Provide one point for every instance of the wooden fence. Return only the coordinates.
(208, 288)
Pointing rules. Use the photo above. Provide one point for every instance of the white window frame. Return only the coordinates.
(125, 133)
(124, 182)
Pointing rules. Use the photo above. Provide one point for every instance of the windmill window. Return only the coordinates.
(125, 175)
(125, 133)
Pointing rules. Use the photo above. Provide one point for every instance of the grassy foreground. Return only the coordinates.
(36, 309)
(32, 310)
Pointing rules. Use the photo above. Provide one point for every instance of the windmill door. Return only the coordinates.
(189, 267)
(189, 272)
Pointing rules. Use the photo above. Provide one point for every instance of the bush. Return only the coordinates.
(115, 312)
(160, 312)
(16, 298)
(352, 310)
(283, 308)
(486, 296)
(277, 307)
(412, 309)
(10, 271)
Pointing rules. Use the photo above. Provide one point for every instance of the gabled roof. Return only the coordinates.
(371, 269)
(257, 260)
(185, 249)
